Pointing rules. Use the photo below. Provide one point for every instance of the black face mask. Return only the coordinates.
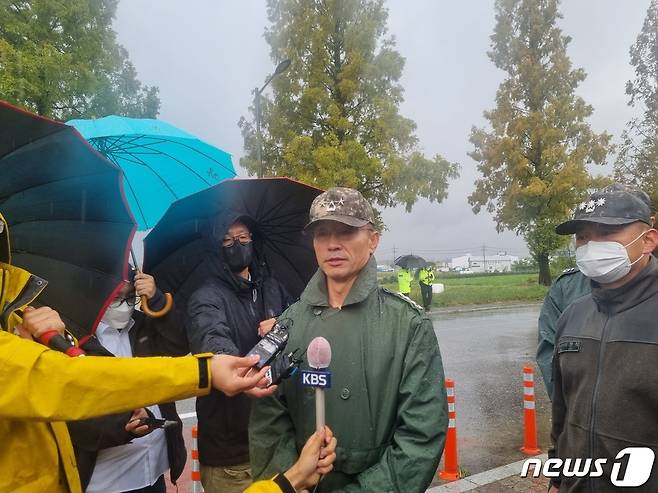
(238, 256)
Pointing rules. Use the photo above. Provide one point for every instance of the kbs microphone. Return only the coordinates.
(319, 357)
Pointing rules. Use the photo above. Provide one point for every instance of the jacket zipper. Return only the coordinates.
(595, 395)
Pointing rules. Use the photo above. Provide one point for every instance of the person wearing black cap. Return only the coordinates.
(604, 383)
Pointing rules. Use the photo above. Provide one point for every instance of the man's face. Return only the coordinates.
(621, 234)
(342, 250)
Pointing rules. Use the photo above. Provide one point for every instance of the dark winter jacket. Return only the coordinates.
(605, 394)
(148, 337)
(223, 317)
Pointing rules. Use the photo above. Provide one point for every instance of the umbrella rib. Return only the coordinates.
(132, 190)
(288, 215)
(202, 153)
(82, 267)
(272, 210)
(293, 266)
(139, 161)
(125, 141)
(135, 159)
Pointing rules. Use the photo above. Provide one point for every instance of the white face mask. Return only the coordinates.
(118, 315)
(605, 261)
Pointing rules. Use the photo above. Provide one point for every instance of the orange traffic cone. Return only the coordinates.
(450, 471)
(529, 414)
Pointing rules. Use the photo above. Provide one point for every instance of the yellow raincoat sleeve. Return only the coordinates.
(278, 484)
(263, 487)
(40, 384)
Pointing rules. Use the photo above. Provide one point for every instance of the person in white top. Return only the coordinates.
(117, 454)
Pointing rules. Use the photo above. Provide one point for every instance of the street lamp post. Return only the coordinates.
(280, 68)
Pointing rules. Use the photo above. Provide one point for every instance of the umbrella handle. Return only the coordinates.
(169, 302)
(58, 342)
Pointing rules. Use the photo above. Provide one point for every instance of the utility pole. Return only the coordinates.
(484, 257)
(280, 68)
(394, 257)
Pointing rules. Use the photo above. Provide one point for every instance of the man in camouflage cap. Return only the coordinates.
(387, 404)
(344, 205)
(606, 345)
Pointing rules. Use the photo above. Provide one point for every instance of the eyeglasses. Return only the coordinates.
(128, 300)
(243, 238)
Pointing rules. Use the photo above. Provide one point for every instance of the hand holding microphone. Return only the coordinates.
(315, 460)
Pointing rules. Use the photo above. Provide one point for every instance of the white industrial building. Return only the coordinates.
(491, 263)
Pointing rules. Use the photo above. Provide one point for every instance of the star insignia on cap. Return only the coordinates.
(582, 206)
(331, 206)
(341, 202)
(591, 205)
(600, 202)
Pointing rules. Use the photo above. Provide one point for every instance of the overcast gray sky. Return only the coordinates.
(207, 55)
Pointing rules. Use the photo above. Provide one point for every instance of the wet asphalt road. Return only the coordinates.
(484, 353)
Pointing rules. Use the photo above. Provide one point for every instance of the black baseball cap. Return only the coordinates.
(614, 205)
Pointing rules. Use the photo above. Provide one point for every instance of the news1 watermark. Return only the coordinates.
(630, 468)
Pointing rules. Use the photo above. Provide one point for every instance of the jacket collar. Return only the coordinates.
(637, 290)
(316, 294)
(235, 282)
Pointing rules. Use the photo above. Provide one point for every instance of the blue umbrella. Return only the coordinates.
(160, 162)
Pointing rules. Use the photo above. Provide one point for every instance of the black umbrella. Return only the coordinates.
(67, 215)
(183, 248)
(411, 262)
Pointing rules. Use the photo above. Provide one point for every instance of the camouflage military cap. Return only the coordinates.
(341, 204)
(614, 205)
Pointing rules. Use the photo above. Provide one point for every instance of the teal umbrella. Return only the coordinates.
(160, 162)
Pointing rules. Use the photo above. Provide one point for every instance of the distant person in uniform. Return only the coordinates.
(404, 281)
(426, 279)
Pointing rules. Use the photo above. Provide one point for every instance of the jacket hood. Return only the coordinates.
(316, 294)
(257, 269)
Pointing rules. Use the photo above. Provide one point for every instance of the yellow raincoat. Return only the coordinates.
(41, 388)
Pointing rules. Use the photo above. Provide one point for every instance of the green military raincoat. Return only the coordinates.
(387, 405)
(567, 288)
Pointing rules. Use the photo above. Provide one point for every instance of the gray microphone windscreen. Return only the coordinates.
(319, 353)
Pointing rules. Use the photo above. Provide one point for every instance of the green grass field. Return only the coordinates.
(477, 289)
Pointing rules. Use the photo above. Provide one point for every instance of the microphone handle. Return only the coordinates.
(319, 408)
